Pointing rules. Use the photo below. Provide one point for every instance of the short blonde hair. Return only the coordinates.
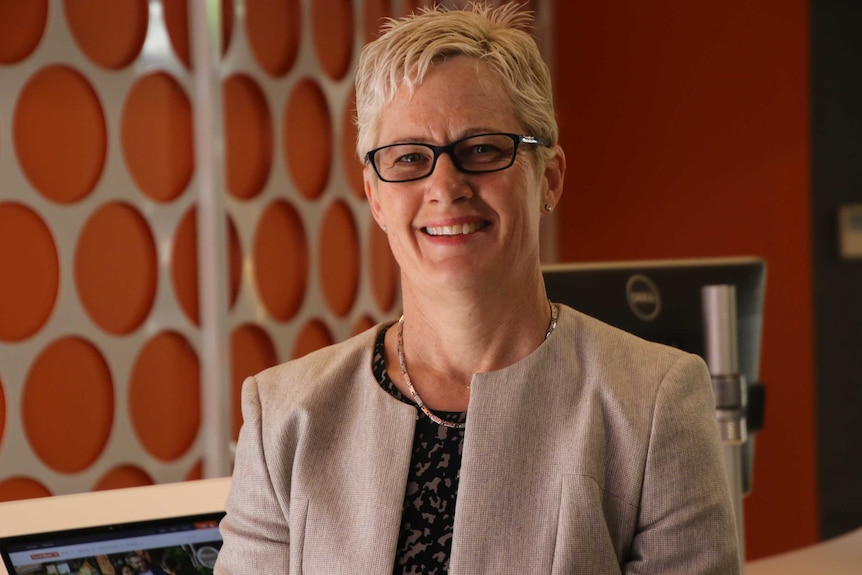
(409, 46)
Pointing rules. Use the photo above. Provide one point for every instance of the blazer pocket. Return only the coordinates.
(296, 522)
(594, 528)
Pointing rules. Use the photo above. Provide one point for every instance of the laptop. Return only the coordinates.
(166, 546)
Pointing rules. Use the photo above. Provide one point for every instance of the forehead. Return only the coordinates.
(457, 96)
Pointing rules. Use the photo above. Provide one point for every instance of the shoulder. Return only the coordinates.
(321, 362)
(618, 362)
(594, 338)
(335, 364)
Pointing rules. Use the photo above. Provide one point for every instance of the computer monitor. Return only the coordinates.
(660, 300)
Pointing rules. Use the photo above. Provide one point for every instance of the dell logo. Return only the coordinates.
(643, 297)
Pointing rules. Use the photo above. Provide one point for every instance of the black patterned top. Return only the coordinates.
(428, 515)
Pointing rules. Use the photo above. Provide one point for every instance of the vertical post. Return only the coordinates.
(205, 32)
(729, 386)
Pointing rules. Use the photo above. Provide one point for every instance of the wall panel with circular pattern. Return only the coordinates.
(101, 331)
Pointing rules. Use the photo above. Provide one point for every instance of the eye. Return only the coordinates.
(411, 158)
(404, 155)
(484, 148)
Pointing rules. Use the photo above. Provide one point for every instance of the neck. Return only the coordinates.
(446, 343)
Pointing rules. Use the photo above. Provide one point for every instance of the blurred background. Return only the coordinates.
(181, 206)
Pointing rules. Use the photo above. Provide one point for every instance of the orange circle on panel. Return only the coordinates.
(177, 25)
(384, 271)
(164, 396)
(314, 335)
(184, 264)
(332, 25)
(61, 142)
(22, 25)
(27, 250)
(248, 137)
(251, 351)
(157, 136)
(281, 260)
(375, 13)
(110, 32)
(273, 28)
(68, 404)
(18, 488)
(308, 138)
(352, 165)
(116, 268)
(339, 258)
(122, 477)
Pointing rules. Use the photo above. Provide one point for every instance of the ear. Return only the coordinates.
(370, 183)
(555, 171)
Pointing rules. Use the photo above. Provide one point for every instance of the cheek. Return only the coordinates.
(527, 197)
(394, 210)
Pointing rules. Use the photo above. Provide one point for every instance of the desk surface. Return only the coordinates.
(838, 556)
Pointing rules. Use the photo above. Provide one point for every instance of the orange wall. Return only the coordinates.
(686, 131)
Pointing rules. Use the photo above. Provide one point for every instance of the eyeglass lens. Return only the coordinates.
(482, 153)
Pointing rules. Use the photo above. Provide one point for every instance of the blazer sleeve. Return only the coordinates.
(255, 529)
(686, 523)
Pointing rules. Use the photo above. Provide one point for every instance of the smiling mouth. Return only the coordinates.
(456, 230)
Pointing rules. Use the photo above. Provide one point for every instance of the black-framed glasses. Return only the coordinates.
(477, 154)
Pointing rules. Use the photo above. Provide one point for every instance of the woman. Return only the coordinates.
(488, 430)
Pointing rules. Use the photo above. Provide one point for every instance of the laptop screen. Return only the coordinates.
(178, 545)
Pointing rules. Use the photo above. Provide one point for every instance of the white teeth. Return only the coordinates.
(455, 230)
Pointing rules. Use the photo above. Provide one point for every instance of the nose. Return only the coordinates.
(447, 183)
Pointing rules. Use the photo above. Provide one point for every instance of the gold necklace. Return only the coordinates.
(418, 400)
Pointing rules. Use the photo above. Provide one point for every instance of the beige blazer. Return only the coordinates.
(596, 454)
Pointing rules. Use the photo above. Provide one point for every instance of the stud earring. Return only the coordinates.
(548, 208)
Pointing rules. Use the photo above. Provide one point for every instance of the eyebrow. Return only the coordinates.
(466, 134)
